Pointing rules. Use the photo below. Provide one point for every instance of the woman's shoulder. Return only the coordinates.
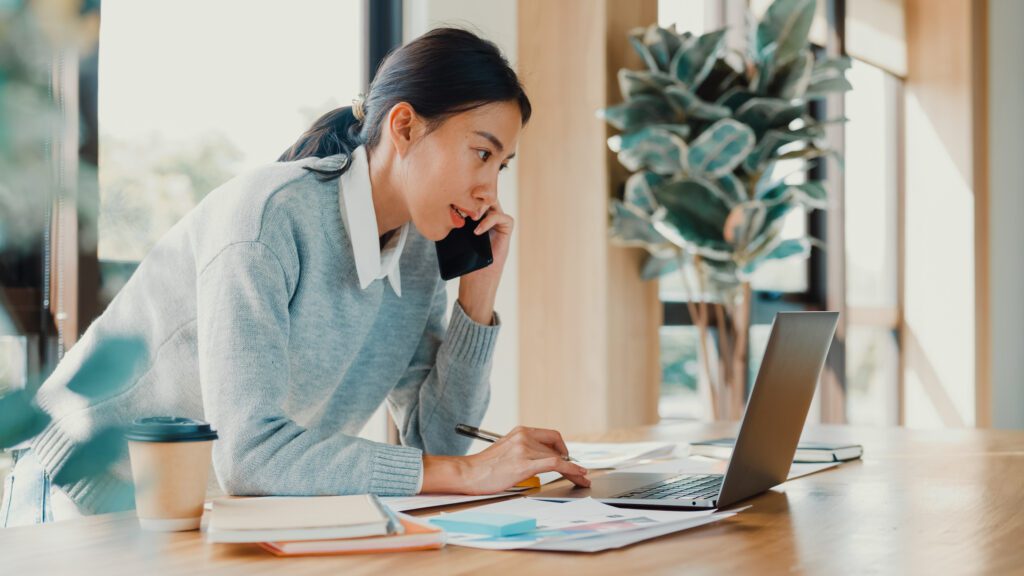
(257, 200)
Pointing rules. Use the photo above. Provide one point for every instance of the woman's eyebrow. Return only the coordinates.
(494, 140)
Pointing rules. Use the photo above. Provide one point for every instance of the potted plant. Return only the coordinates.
(711, 136)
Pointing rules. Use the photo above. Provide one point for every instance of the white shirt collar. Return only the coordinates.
(355, 197)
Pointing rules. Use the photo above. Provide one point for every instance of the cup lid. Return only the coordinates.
(169, 429)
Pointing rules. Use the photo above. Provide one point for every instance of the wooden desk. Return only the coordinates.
(920, 502)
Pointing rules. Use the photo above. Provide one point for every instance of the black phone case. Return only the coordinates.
(462, 252)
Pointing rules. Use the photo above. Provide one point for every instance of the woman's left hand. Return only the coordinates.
(477, 290)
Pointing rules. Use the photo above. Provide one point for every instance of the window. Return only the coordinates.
(871, 219)
(191, 93)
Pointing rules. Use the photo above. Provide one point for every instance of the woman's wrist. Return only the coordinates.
(444, 474)
(479, 306)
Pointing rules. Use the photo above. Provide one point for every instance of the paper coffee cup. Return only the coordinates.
(170, 459)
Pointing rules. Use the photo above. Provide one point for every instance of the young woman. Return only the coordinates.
(297, 298)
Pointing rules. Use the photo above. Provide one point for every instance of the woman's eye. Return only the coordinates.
(483, 154)
(503, 166)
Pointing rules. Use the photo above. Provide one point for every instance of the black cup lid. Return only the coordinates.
(169, 429)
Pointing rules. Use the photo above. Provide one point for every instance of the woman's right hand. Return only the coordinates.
(522, 453)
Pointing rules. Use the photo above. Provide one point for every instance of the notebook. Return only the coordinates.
(276, 518)
(416, 536)
(721, 448)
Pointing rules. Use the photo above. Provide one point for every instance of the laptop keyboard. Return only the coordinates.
(686, 487)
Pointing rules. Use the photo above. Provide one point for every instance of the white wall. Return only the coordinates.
(1006, 210)
(495, 21)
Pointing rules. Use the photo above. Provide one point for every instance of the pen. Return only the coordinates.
(479, 434)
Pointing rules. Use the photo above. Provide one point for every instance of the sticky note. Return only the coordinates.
(531, 482)
(484, 523)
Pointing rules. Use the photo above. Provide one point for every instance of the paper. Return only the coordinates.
(596, 456)
(406, 503)
(702, 465)
(582, 525)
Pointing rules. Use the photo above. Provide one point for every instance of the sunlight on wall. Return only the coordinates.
(939, 304)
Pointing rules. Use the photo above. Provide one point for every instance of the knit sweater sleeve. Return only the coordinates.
(447, 381)
(243, 331)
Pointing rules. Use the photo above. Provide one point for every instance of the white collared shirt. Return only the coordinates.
(355, 197)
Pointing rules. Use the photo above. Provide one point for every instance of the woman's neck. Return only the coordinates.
(388, 202)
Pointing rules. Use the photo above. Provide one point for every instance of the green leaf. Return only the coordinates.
(735, 98)
(695, 212)
(659, 150)
(695, 60)
(766, 148)
(20, 418)
(825, 87)
(93, 457)
(663, 44)
(830, 67)
(789, 248)
(633, 83)
(638, 112)
(693, 106)
(786, 25)
(636, 39)
(656, 266)
(763, 114)
(785, 249)
(811, 194)
(792, 80)
(720, 148)
(631, 227)
(639, 191)
(733, 188)
(109, 368)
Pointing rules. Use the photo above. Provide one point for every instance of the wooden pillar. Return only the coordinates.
(588, 324)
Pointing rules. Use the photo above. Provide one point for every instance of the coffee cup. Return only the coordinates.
(170, 460)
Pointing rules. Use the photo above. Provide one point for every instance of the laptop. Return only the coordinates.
(769, 433)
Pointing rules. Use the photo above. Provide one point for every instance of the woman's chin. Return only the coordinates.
(435, 233)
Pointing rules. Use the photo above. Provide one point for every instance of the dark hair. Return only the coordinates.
(442, 73)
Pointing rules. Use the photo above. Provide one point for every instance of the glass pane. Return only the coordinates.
(680, 368)
(687, 15)
(872, 361)
(871, 195)
(192, 92)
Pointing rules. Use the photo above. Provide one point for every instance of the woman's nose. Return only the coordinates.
(486, 195)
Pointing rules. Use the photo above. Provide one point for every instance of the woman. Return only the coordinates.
(265, 310)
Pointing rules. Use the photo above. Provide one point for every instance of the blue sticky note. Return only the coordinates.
(483, 523)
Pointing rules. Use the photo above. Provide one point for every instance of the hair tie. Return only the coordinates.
(357, 108)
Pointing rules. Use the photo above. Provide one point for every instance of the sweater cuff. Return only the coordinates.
(396, 470)
(468, 341)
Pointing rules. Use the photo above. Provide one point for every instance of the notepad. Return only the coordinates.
(812, 452)
(274, 518)
(492, 524)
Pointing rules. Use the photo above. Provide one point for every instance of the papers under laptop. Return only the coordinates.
(775, 415)
(597, 456)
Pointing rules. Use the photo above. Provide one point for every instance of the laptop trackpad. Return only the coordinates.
(604, 486)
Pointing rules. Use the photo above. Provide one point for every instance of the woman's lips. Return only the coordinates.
(457, 220)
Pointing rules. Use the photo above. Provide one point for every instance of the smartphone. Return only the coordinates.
(462, 251)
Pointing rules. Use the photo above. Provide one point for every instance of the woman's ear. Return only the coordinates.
(404, 126)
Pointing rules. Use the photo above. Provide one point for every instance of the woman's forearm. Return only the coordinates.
(444, 474)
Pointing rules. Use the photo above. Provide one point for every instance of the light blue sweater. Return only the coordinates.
(254, 320)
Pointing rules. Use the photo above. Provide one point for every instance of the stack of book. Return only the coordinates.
(317, 525)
